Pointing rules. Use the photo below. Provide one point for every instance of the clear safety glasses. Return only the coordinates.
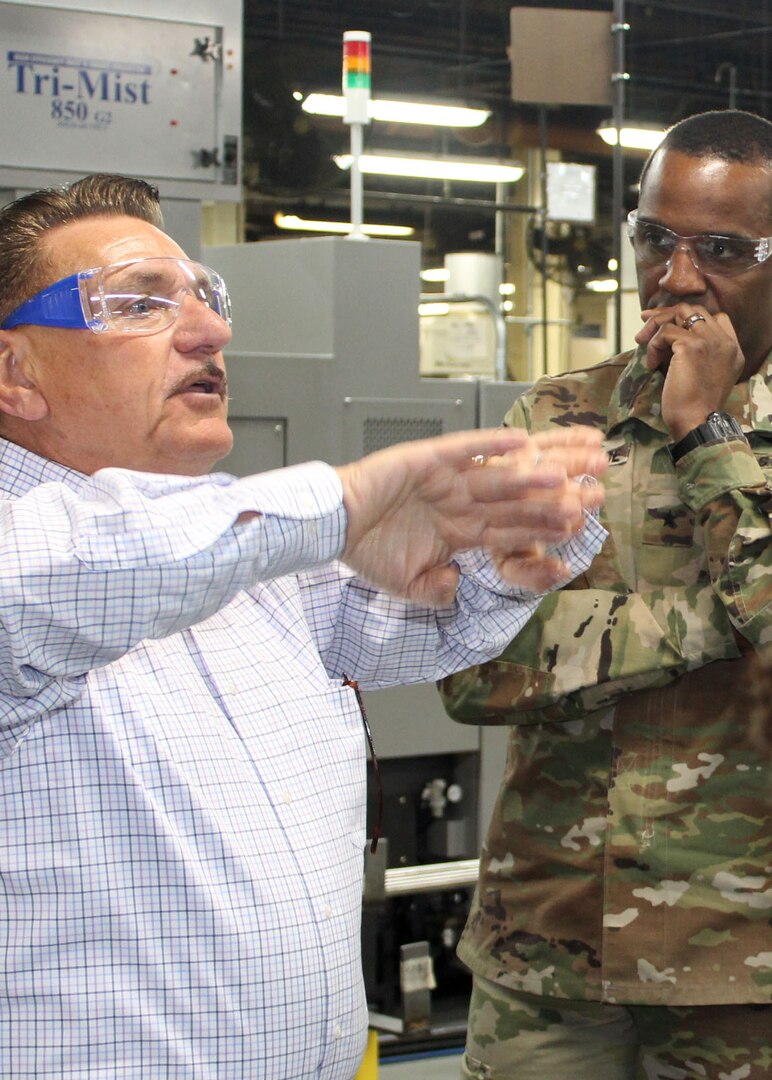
(143, 296)
(710, 254)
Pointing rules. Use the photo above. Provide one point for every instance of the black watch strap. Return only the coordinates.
(719, 427)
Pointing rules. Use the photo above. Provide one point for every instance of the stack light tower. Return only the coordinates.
(356, 95)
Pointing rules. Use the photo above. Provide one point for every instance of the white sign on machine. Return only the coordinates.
(87, 91)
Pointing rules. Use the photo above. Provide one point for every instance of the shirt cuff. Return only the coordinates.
(715, 469)
(577, 552)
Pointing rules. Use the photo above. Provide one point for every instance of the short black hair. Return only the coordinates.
(729, 134)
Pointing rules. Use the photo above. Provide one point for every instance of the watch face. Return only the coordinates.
(719, 427)
(724, 425)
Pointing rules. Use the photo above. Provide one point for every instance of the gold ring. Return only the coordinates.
(479, 459)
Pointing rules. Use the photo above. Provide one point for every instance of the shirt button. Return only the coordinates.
(286, 797)
(327, 911)
(338, 1031)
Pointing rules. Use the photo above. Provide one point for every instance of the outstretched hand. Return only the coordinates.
(413, 506)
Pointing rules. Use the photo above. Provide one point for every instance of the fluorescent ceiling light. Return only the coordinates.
(602, 285)
(435, 273)
(291, 221)
(476, 170)
(434, 308)
(400, 112)
(633, 136)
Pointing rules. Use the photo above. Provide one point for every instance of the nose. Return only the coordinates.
(681, 275)
(198, 328)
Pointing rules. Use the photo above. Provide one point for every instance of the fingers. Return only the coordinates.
(684, 325)
(381, 483)
(688, 325)
(435, 492)
(534, 501)
(534, 573)
(673, 315)
(507, 540)
(546, 475)
(574, 435)
(575, 448)
(540, 478)
(703, 356)
(515, 525)
(585, 459)
(466, 448)
(658, 333)
(436, 588)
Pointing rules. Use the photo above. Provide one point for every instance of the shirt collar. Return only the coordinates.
(638, 392)
(21, 471)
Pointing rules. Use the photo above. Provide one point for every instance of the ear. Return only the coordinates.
(19, 396)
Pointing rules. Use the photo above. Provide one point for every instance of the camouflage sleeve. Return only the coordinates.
(584, 648)
(518, 416)
(725, 486)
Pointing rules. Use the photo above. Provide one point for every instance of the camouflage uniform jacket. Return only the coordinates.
(628, 854)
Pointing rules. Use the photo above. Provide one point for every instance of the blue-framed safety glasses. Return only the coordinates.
(143, 296)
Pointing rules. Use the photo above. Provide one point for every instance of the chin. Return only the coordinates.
(190, 461)
(201, 464)
(200, 453)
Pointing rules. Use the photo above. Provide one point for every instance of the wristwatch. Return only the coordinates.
(719, 427)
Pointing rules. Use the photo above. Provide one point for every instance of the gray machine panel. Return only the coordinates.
(325, 339)
(371, 424)
(496, 400)
(410, 720)
(259, 444)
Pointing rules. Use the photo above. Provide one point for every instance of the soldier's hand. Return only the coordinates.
(702, 358)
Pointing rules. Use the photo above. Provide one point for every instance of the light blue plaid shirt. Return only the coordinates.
(183, 774)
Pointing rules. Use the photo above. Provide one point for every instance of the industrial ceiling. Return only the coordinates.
(682, 57)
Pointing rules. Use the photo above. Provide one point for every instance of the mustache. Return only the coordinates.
(207, 370)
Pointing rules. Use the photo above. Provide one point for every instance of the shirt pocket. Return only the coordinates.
(667, 522)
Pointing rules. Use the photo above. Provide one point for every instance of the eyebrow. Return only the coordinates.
(139, 278)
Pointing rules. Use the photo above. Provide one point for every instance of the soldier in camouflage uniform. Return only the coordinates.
(620, 927)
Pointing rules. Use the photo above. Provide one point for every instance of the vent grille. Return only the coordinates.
(380, 432)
